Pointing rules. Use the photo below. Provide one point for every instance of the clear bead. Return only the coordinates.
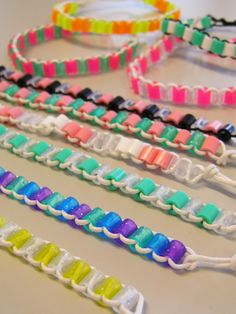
(193, 206)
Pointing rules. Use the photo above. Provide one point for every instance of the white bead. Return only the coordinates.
(123, 145)
(229, 50)
(48, 121)
(188, 33)
(61, 121)
(206, 44)
(136, 147)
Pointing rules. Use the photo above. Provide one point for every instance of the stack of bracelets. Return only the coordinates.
(157, 132)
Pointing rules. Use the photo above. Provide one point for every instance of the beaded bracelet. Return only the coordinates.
(109, 226)
(201, 96)
(65, 67)
(70, 270)
(114, 145)
(168, 136)
(196, 37)
(63, 15)
(173, 202)
(225, 132)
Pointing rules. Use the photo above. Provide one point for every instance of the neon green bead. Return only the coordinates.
(217, 46)
(108, 288)
(101, 27)
(73, 8)
(77, 271)
(19, 238)
(62, 155)
(39, 148)
(109, 27)
(3, 129)
(208, 213)
(88, 165)
(47, 253)
(142, 237)
(66, 23)
(93, 26)
(93, 217)
(179, 199)
(18, 140)
(11, 90)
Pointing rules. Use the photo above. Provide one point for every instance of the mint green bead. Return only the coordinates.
(146, 187)
(52, 201)
(52, 100)
(197, 38)
(208, 213)
(88, 165)
(39, 148)
(120, 118)
(144, 125)
(62, 155)
(196, 140)
(82, 66)
(179, 30)
(164, 25)
(217, 46)
(179, 199)
(93, 217)
(123, 57)
(142, 237)
(98, 112)
(116, 174)
(11, 90)
(76, 104)
(60, 69)
(32, 96)
(18, 140)
(3, 129)
(169, 134)
(207, 21)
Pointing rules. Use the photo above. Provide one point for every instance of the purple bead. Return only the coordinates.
(79, 213)
(176, 251)
(40, 195)
(7, 178)
(126, 228)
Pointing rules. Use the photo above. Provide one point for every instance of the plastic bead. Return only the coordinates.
(19, 238)
(28, 189)
(176, 251)
(120, 118)
(116, 174)
(182, 137)
(146, 186)
(208, 213)
(150, 112)
(156, 128)
(22, 81)
(169, 134)
(7, 178)
(39, 148)
(108, 288)
(163, 159)
(226, 132)
(84, 93)
(17, 184)
(67, 206)
(115, 103)
(142, 236)
(196, 140)
(77, 271)
(93, 217)
(62, 155)
(211, 145)
(51, 88)
(144, 125)
(79, 213)
(126, 228)
(18, 140)
(46, 254)
(110, 221)
(88, 165)
(52, 200)
(178, 199)
(159, 244)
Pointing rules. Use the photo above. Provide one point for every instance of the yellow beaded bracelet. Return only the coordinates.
(63, 15)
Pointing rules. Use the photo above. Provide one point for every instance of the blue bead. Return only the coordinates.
(67, 205)
(2, 171)
(159, 244)
(28, 190)
(110, 221)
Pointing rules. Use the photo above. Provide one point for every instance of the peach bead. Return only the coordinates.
(4, 85)
(210, 145)
(84, 134)
(175, 117)
(43, 96)
(22, 93)
(163, 159)
(109, 116)
(15, 112)
(105, 99)
(182, 137)
(65, 101)
(213, 126)
(71, 128)
(139, 106)
(132, 120)
(87, 107)
(156, 128)
(148, 154)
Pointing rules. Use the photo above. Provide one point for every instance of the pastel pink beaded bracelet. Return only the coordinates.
(177, 94)
(65, 67)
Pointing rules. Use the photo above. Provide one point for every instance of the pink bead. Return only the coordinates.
(71, 128)
(71, 67)
(204, 97)
(44, 83)
(22, 93)
(134, 84)
(139, 106)
(114, 61)
(153, 92)
(4, 111)
(129, 54)
(213, 126)
(49, 69)
(49, 32)
(155, 54)
(168, 44)
(211, 145)
(65, 101)
(148, 154)
(179, 95)
(109, 116)
(13, 59)
(15, 112)
(43, 96)
(163, 159)
(28, 67)
(84, 134)
(65, 33)
(105, 99)
(143, 64)
(175, 117)
(132, 120)
(16, 76)
(93, 65)
(182, 137)
(74, 90)
(4, 85)
(32, 38)
(156, 128)
(21, 43)
(87, 107)
(230, 97)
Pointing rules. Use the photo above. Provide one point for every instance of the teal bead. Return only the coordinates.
(93, 217)
(169, 134)
(119, 118)
(3, 129)
(116, 174)
(142, 237)
(164, 25)
(88, 165)
(208, 213)
(52, 201)
(60, 69)
(62, 155)
(11, 90)
(38, 69)
(197, 38)
(18, 140)
(17, 184)
(196, 140)
(52, 100)
(179, 30)
(179, 199)
(32, 96)
(82, 66)
(146, 187)
(217, 46)
(207, 21)
(144, 125)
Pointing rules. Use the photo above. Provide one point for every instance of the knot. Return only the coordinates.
(210, 172)
(226, 157)
(205, 173)
(233, 262)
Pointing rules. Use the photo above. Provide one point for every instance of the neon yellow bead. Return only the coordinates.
(109, 27)
(77, 271)
(143, 26)
(134, 29)
(93, 26)
(108, 288)
(66, 23)
(19, 238)
(47, 253)
(170, 7)
(73, 8)
(2, 221)
(101, 27)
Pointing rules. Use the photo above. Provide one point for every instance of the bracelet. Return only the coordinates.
(70, 270)
(225, 132)
(63, 15)
(109, 226)
(168, 136)
(106, 144)
(201, 96)
(196, 37)
(65, 67)
(173, 202)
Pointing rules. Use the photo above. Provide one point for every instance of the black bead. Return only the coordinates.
(187, 121)
(2, 68)
(226, 132)
(84, 93)
(115, 103)
(22, 82)
(150, 111)
(51, 88)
